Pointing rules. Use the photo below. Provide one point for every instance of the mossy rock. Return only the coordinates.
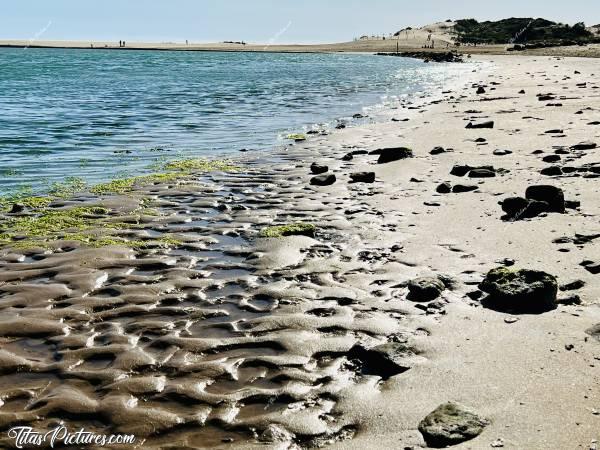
(520, 291)
(294, 229)
(450, 424)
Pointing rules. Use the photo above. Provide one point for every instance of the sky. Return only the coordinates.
(259, 21)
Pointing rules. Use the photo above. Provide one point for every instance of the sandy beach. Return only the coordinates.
(208, 333)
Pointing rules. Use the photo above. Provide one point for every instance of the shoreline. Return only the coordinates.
(368, 46)
(250, 333)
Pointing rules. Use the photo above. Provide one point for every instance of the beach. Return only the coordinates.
(191, 321)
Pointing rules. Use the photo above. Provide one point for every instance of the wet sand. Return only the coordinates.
(230, 340)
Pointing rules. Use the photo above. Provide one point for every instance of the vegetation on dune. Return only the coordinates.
(518, 30)
(294, 229)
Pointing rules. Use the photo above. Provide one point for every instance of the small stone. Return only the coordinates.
(451, 424)
(498, 443)
(588, 145)
(437, 151)
(323, 180)
(482, 173)
(425, 289)
(318, 169)
(444, 188)
(480, 90)
(500, 152)
(387, 155)
(551, 171)
(276, 434)
(363, 177)
(511, 320)
(462, 188)
(569, 347)
(487, 124)
(17, 208)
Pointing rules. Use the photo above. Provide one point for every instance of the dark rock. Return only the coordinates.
(592, 267)
(480, 140)
(363, 177)
(482, 173)
(385, 361)
(487, 124)
(519, 292)
(358, 116)
(348, 157)
(340, 126)
(584, 146)
(480, 90)
(17, 208)
(318, 169)
(502, 152)
(425, 289)
(522, 91)
(387, 155)
(444, 188)
(553, 196)
(555, 131)
(450, 424)
(594, 332)
(437, 151)
(514, 206)
(416, 180)
(545, 98)
(551, 171)
(570, 300)
(460, 170)
(462, 188)
(551, 158)
(573, 285)
(323, 180)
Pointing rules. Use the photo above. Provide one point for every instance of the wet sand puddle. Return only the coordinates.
(227, 340)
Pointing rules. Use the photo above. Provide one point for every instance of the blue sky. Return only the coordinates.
(283, 21)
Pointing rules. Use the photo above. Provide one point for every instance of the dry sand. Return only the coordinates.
(206, 345)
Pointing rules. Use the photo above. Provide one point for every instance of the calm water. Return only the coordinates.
(102, 114)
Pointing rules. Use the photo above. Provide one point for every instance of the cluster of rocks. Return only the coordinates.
(385, 155)
(538, 200)
(545, 44)
(428, 56)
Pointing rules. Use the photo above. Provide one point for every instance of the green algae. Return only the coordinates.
(296, 137)
(200, 165)
(294, 229)
(79, 224)
(126, 185)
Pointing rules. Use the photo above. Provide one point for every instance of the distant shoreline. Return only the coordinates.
(359, 46)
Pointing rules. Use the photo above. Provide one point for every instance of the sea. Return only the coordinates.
(94, 115)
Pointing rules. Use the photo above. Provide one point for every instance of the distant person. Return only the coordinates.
(120, 44)
(186, 42)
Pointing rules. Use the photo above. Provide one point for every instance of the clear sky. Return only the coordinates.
(261, 21)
